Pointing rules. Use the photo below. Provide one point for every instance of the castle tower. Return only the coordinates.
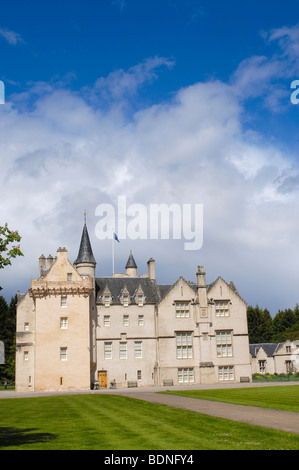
(131, 266)
(85, 262)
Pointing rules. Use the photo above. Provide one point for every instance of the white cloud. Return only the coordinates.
(123, 85)
(63, 154)
(10, 36)
(268, 78)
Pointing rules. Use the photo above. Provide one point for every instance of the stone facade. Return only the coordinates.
(274, 358)
(75, 329)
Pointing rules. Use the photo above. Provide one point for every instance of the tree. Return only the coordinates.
(8, 337)
(8, 251)
(267, 326)
(260, 327)
(283, 320)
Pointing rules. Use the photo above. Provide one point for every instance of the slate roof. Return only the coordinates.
(131, 262)
(117, 284)
(85, 254)
(269, 348)
(153, 292)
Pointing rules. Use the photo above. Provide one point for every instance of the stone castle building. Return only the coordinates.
(75, 329)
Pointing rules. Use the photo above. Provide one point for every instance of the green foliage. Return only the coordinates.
(275, 377)
(8, 251)
(262, 328)
(260, 325)
(7, 335)
(8, 236)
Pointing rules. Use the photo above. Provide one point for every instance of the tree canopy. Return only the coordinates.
(7, 250)
(7, 336)
(262, 328)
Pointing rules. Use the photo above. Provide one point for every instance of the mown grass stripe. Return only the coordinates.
(120, 423)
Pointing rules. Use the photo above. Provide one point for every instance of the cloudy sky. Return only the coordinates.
(161, 102)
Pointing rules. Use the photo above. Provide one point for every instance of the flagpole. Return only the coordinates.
(112, 252)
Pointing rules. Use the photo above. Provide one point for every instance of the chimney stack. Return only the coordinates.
(50, 261)
(151, 269)
(42, 265)
(201, 277)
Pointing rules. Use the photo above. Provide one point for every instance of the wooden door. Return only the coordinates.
(102, 376)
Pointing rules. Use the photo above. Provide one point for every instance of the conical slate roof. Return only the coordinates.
(131, 262)
(85, 254)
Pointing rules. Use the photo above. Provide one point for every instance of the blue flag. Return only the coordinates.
(116, 237)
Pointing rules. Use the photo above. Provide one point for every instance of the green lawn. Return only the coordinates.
(285, 398)
(111, 422)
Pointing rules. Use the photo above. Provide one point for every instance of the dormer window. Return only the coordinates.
(125, 297)
(106, 297)
(139, 296)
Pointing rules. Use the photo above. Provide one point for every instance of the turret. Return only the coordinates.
(85, 262)
(131, 266)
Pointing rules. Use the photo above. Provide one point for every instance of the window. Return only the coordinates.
(140, 320)
(138, 349)
(183, 345)
(140, 300)
(107, 300)
(288, 349)
(126, 320)
(69, 277)
(262, 367)
(182, 310)
(226, 373)
(26, 356)
(108, 350)
(139, 375)
(186, 375)
(289, 368)
(106, 320)
(63, 323)
(221, 308)
(123, 350)
(63, 301)
(125, 300)
(63, 354)
(26, 326)
(224, 343)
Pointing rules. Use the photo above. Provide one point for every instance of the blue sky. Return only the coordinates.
(176, 101)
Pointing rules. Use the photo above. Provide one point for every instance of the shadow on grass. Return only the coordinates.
(17, 437)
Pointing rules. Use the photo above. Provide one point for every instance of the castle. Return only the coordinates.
(75, 330)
